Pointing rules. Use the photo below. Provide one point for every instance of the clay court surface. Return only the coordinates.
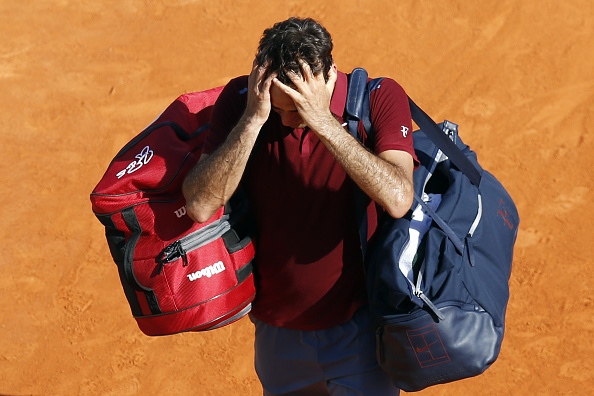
(78, 79)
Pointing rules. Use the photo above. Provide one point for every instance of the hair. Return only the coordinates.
(285, 43)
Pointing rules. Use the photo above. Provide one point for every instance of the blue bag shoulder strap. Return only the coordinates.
(357, 110)
(357, 103)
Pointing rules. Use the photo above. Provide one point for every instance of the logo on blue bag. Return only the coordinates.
(427, 346)
(504, 214)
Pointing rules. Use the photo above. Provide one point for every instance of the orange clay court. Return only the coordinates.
(78, 79)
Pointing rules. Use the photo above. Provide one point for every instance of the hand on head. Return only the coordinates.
(311, 94)
(258, 99)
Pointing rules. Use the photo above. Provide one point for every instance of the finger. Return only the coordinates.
(285, 88)
(305, 70)
(264, 66)
(296, 79)
(258, 68)
(308, 72)
(294, 75)
(254, 74)
(267, 83)
(260, 71)
(332, 76)
(254, 70)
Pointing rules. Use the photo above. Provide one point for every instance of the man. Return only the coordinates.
(313, 332)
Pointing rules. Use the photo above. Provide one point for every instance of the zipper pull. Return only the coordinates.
(419, 293)
(183, 255)
(470, 251)
(171, 253)
(379, 333)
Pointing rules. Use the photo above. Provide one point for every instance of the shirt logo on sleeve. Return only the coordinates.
(404, 131)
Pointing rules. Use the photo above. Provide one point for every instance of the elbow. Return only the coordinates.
(401, 205)
(197, 211)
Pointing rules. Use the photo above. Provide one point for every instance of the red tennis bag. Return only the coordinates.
(177, 275)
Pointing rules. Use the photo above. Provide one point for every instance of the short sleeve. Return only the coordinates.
(391, 119)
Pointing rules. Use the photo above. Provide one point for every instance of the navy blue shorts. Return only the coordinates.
(336, 361)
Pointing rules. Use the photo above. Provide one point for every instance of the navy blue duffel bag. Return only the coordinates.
(438, 277)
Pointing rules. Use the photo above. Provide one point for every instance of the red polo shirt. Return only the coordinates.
(308, 265)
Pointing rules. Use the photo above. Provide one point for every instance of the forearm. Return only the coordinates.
(212, 182)
(387, 183)
(386, 178)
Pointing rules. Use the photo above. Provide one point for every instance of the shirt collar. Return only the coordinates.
(338, 102)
